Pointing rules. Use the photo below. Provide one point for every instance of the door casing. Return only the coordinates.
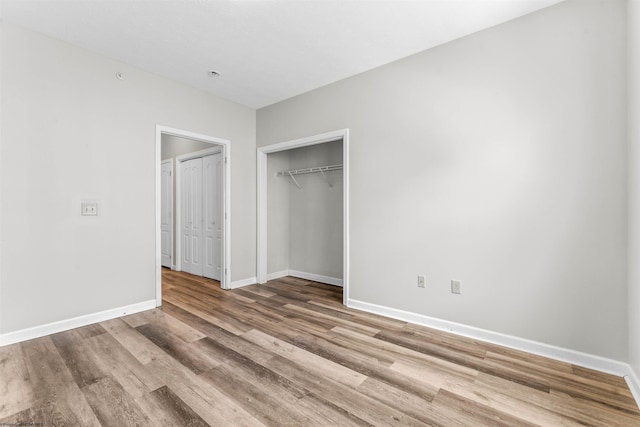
(225, 144)
(343, 135)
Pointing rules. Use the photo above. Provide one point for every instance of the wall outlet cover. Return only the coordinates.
(421, 281)
(89, 208)
(455, 286)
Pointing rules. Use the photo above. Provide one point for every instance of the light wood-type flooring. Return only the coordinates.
(288, 353)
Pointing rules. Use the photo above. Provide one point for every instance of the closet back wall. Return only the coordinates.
(315, 229)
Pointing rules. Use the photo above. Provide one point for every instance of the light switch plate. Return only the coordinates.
(89, 208)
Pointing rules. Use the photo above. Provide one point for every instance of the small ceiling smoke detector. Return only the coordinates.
(120, 76)
(214, 73)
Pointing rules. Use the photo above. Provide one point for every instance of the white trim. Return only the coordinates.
(226, 200)
(261, 226)
(343, 135)
(602, 364)
(226, 210)
(76, 322)
(307, 276)
(244, 282)
(158, 225)
(345, 216)
(304, 142)
(316, 278)
(634, 384)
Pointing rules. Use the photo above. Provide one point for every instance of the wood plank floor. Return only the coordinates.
(289, 353)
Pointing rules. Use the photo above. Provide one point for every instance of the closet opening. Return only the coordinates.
(303, 210)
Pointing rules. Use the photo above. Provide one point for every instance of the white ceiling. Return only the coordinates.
(266, 50)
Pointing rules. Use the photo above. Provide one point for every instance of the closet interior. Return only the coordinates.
(305, 213)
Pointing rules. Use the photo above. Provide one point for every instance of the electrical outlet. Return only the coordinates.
(89, 209)
(455, 286)
(421, 281)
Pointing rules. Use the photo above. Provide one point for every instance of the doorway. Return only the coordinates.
(214, 163)
(342, 135)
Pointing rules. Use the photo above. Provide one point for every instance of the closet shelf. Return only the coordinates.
(310, 170)
(321, 169)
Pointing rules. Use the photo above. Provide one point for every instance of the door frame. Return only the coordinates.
(171, 230)
(179, 159)
(225, 283)
(342, 134)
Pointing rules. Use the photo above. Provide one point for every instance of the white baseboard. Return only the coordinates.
(634, 384)
(284, 273)
(316, 277)
(244, 282)
(76, 322)
(598, 363)
(586, 360)
(307, 276)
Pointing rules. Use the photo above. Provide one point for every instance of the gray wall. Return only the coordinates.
(75, 132)
(173, 146)
(498, 160)
(634, 182)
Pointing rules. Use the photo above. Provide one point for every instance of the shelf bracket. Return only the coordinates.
(325, 178)
(294, 181)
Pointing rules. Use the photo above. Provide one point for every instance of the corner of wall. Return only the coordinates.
(633, 188)
(634, 384)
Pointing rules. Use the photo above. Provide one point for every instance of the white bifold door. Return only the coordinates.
(201, 225)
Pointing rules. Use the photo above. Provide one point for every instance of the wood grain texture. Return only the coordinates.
(289, 353)
(165, 408)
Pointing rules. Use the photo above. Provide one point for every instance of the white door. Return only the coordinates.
(166, 212)
(212, 170)
(191, 211)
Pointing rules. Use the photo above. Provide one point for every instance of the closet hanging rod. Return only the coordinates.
(310, 170)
